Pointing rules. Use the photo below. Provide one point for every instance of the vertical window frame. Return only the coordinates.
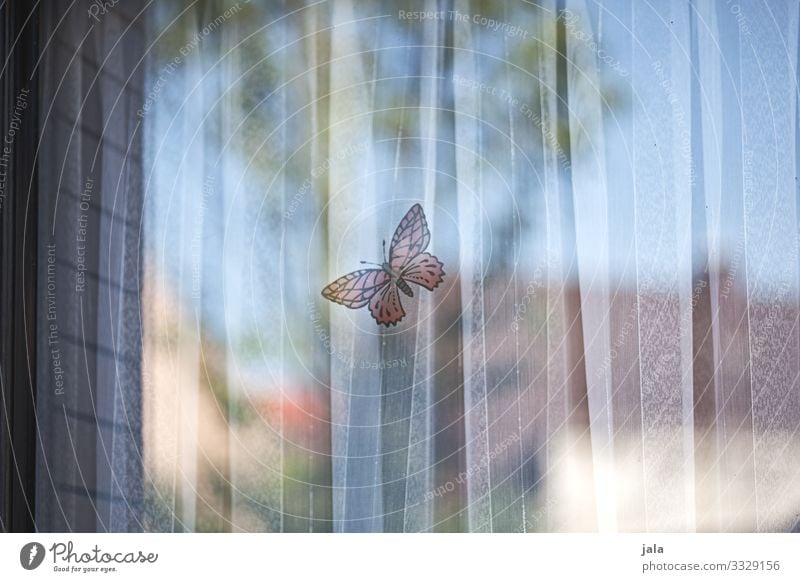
(18, 259)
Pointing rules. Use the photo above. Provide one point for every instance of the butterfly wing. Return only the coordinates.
(410, 239)
(425, 270)
(355, 289)
(385, 306)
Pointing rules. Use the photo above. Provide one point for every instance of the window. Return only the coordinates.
(611, 190)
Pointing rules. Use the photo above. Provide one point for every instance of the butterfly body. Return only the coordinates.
(407, 263)
(397, 279)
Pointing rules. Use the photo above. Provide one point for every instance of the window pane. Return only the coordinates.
(601, 337)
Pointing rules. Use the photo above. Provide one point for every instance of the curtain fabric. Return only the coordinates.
(611, 187)
(89, 473)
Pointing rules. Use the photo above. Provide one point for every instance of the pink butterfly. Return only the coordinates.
(408, 263)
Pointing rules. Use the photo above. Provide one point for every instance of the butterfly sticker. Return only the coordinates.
(408, 263)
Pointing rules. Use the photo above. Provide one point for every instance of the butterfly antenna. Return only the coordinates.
(368, 263)
(384, 250)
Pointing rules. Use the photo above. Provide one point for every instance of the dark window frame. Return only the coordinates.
(18, 259)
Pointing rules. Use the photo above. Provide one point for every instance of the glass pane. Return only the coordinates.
(571, 229)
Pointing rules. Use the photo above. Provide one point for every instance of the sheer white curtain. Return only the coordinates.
(611, 187)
